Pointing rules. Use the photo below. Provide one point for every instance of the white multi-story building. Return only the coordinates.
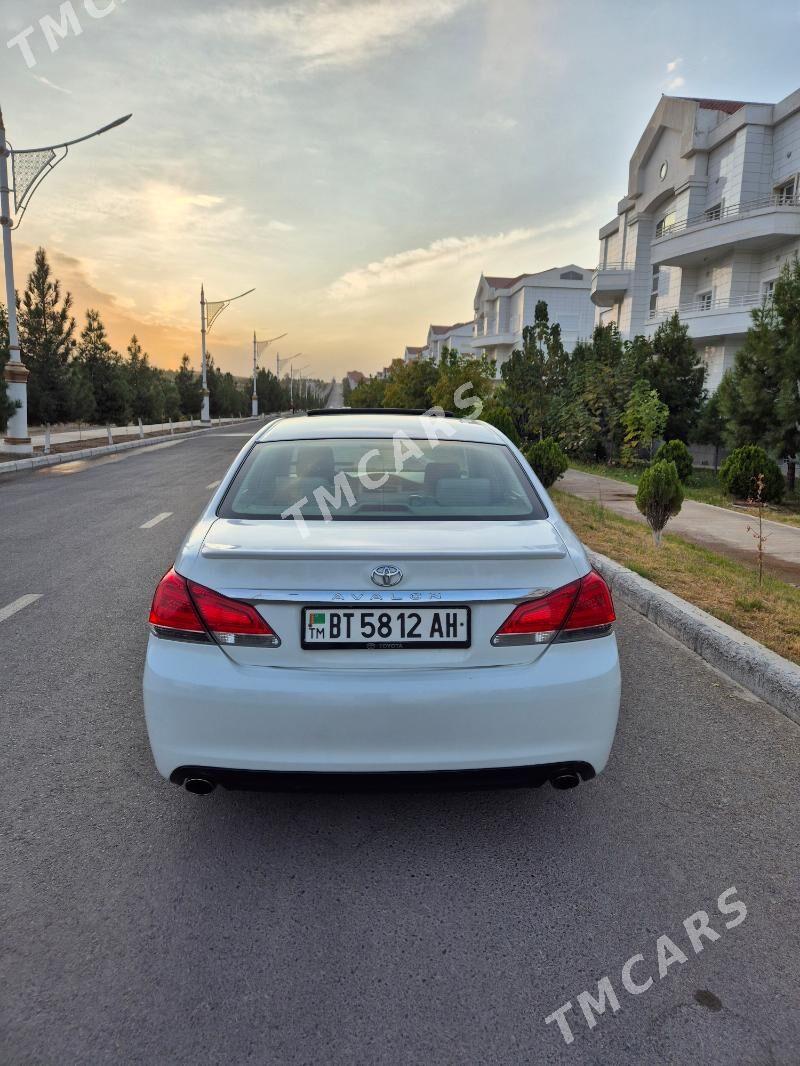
(711, 214)
(457, 337)
(505, 306)
(354, 378)
(411, 354)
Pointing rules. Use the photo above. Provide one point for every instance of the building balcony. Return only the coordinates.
(754, 226)
(490, 334)
(710, 318)
(610, 282)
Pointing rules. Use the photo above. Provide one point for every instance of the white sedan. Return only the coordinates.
(387, 598)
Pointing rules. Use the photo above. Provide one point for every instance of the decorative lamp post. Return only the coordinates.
(259, 347)
(29, 167)
(301, 399)
(285, 362)
(210, 310)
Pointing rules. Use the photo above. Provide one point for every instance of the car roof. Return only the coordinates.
(301, 427)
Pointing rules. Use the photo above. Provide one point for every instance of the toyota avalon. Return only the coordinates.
(388, 598)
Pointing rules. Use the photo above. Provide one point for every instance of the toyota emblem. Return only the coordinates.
(387, 576)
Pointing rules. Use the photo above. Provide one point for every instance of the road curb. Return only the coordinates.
(763, 672)
(37, 461)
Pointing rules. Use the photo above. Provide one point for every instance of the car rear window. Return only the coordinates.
(381, 478)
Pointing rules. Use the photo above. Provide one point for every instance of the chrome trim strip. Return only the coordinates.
(570, 636)
(370, 596)
(235, 551)
(182, 635)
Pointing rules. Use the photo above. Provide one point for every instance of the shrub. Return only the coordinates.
(675, 451)
(548, 460)
(740, 470)
(500, 418)
(659, 496)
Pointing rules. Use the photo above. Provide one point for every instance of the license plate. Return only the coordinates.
(385, 627)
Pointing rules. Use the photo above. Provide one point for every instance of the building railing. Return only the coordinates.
(695, 307)
(614, 265)
(722, 214)
(491, 328)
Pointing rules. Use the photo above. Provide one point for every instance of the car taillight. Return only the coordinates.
(577, 611)
(231, 621)
(184, 610)
(593, 612)
(173, 614)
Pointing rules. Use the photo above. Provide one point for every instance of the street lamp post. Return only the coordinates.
(301, 398)
(259, 347)
(205, 404)
(30, 166)
(285, 362)
(210, 310)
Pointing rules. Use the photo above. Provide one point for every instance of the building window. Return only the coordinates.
(785, 194)
(571, 275)
(704, 300)
(665, 224)
(654, 290)
(713, 214)
(768, 289)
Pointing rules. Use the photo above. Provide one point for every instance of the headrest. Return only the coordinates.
(434, 472)
(316, 462)
(464, 492)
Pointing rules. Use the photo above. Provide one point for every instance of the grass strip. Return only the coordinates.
(726, 589)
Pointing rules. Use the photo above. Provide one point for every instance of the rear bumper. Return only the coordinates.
(203, 710)
(388, 781)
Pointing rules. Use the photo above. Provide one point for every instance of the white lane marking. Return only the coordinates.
(234, 434)
(154, 521)
(17, 605)
(214, 484)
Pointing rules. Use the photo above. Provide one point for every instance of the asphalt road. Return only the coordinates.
(336, 398)
(146, 925)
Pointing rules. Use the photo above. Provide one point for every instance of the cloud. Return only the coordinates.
(678, 81)
(280, 227)
(164, 340)
(328, 32)
(417, 264)
(52, 85)
(496, 123)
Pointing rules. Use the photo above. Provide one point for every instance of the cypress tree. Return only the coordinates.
(47, 340)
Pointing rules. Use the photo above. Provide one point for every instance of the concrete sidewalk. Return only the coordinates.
(88, 433)
(714, 527)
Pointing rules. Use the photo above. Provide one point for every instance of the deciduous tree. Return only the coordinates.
(644, 419)
(464, 384)
(411, 385)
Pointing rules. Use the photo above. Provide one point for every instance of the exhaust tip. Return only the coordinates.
(199, 786)
(565, 779)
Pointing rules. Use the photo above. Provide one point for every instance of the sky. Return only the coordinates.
(359, 163)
